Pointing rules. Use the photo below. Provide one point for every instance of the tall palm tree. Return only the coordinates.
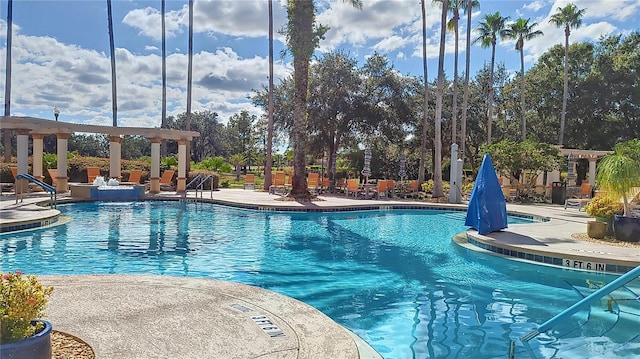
(303, 37)
(7, 83)
(114, 98)
(437, 165)
(490, 28)
(520, 30)
(189, 79)
(425, 118)
(567, 17)
(468, 5)
(163, 123)
(269, 161)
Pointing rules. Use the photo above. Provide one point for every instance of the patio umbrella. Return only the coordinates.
(366, 171)
(570, 174)
(487, 211)
(403, 167)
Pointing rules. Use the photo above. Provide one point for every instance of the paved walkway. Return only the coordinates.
(176, 317)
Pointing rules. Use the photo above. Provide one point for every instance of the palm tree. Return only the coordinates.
(437, 165)
(189, 80)
(425, 119)
(520, 31)
(468, 5)
(269, 161)
(567, 17)
(490, 28)
(7, 84)
(303, 37)
(114, 99)
(163, 123)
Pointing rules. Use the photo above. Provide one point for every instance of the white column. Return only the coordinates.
(62, 179)
(22, 138)
(115, 151)
(181, 182)
(592, 171)
(154, 180)
(38, 149)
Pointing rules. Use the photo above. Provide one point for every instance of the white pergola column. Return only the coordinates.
(182, 166)
(38, 149)
(592, 171)
(62, 179)
(115, 152)
(155, 166)
(22, 139)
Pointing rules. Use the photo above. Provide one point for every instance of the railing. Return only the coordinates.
(45, 186)
(200, 185)
(607, 289)
(193, 181)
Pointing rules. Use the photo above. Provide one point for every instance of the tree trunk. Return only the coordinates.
(7, 85)
(465, 97)
(490, 97)
(114, 97)
(163, 124)
(425, 118)
(454, 107)
(437, 166)
(269, 160)
(522, 108)
(566, 86)
(189, 84)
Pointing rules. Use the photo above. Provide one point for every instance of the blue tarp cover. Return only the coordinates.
(487, 210)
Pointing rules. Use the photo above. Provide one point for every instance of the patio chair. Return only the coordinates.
(278, 183)
(313, 183)
(92, 174)
(165, 180)
(53, 173)
(249, 181)
(134, 177)
(391, 188)
(353, 188)
(413, 188)
(381, 189)
(580, 199)
(341, 185)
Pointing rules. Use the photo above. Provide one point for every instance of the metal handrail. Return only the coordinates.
(45, 186)
(607, 289)
(196, 178)
(201, 184)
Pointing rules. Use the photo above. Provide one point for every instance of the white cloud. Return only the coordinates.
(535, 5)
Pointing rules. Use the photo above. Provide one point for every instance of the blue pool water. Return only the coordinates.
(393, 277)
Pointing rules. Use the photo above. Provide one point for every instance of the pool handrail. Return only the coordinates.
(45, 186)
(607, 289)
(201, 184)
(194, 180)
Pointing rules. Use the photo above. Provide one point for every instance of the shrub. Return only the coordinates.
(22, 300)
(604, 207)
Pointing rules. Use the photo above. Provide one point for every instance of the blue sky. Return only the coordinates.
(61, 49)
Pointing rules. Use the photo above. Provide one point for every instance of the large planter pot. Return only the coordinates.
(626, 228)
(609, 222)
(35, 347)
(597, 230)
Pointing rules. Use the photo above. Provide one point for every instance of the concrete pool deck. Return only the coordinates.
(136, 316)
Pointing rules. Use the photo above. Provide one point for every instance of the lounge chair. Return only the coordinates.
(92, 174)
(166, 179)
(249, 181)
(53, 173)
(381, 189)
(277, 183)
(580, 199)
(134, 177)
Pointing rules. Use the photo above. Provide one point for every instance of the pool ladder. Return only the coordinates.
(199, 186)
(605, 290)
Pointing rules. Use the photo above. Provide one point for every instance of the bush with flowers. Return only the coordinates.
(23, 299)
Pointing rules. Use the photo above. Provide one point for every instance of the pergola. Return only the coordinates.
(37, 128)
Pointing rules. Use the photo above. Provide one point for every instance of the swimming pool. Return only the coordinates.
(393, 277)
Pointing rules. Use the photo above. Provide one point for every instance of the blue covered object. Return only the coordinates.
(487, 210)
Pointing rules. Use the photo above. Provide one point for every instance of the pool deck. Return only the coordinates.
(136, 316)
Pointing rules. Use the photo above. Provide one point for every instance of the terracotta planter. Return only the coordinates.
(626, 228)
(609, 222)
(597, 230)
(35, 347)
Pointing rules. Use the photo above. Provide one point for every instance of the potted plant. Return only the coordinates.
(618, 173)
(602, 209)
(23, 300)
